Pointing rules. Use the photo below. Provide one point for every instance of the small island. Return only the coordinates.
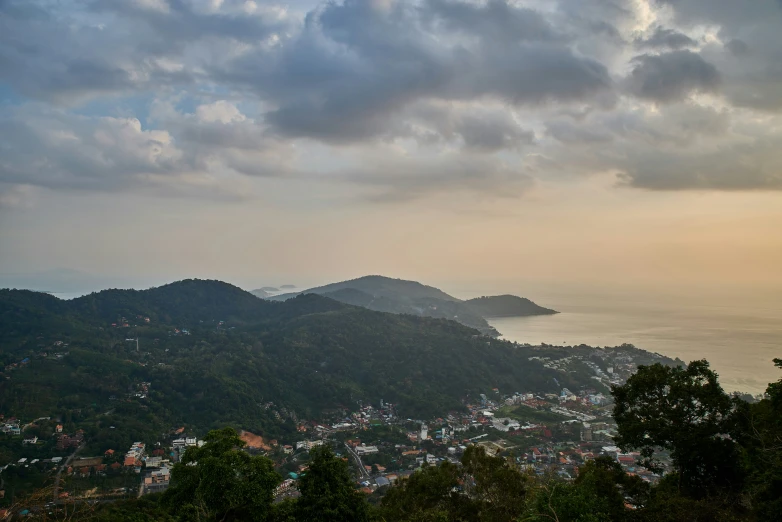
(506, 306)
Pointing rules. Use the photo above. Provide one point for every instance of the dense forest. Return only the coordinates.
(726, 453)
(215, 355)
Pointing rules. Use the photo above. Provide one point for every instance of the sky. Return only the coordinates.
(599, 142)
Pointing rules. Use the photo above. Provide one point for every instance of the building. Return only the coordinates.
(308, 444)
(424, 434)
(65, 442)
(153, 462)
(365, 450)
(156, 480)
(586, 432)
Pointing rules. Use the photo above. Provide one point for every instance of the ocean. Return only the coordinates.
(739, 336)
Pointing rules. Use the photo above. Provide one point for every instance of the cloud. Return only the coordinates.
(672, 76)
(751, 52)
(354, 66)
(474, 127)
(194, 155)
(401, 178)
(663, 38)
(405, 100)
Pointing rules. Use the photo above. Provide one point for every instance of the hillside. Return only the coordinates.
(398, 296)
(506, 306)
(215, 354)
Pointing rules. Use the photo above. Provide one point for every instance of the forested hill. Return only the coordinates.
(385, 294)
(506, 306)
(217, 355)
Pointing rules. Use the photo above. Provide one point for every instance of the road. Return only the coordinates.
(363, 473)
(64, 466)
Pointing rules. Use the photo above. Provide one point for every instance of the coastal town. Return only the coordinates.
(542, 433)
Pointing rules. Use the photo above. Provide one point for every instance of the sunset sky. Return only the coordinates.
(617, 142)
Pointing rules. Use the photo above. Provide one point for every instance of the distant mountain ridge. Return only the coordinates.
(385, 294)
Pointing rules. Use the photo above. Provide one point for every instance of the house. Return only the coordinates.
(382, 481)
(58, 429)
(31, 440)
(70, 441)
(156, 480)
(109, 453)
(131, 462)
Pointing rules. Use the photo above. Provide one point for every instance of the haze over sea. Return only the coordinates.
(738, 331)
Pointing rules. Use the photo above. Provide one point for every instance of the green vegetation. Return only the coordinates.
(216, 355)
(506, 306)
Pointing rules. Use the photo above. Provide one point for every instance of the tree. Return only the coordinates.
(494, 484)
(685, 411)
(220, 481)
(597, 494)
(430, 494)
(759, 431)
(327, 491)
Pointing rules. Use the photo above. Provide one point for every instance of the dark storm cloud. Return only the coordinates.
(663, 38)
(672, 76)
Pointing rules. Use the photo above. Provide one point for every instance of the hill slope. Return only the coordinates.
(506, 306)
(398, 296)
(215, 354)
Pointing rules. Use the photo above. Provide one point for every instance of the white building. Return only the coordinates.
(366, 450)
(308, 444)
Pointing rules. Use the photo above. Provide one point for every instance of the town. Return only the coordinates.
(543, 433)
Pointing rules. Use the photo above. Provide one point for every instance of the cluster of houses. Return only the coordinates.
(65, 441)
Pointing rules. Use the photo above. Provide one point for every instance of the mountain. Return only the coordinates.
(260, 292)
(398, 296)
(215, 355)
(506, 306)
